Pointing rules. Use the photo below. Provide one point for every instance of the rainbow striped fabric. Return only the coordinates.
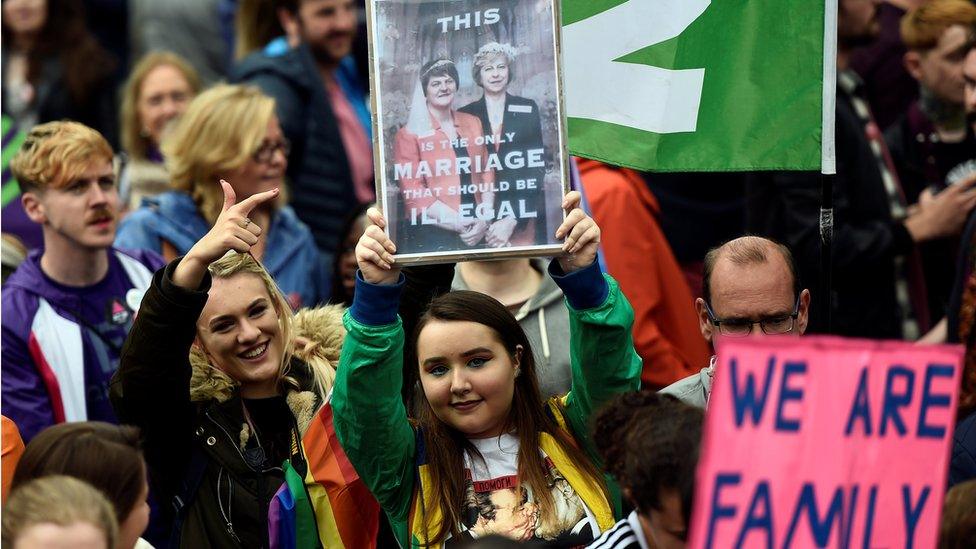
(329, 506)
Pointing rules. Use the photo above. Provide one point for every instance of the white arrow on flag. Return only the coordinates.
(637, 96)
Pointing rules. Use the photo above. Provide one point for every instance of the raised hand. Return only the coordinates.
(582, 235)
(374, 252)
(233, 230)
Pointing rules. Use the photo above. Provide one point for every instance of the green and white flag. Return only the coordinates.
(699, 85)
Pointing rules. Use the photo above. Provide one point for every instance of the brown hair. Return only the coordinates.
(256, 24)
(650, 443)
(445, 446)
(55, 153)
(64, 34)
(218, 133)
(106, 456)
(922, 27)
(133, 142)
(59, 500)
(746, 250)
(958, 529)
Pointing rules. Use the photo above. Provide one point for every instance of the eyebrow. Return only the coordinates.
(221, 318)
(471, 352)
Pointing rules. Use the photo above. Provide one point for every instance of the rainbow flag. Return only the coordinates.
(329, 506)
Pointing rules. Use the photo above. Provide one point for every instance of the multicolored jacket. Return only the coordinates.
(61, 345)
(372, 424)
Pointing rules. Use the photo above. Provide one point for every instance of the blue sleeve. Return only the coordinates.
(135, 234)
(25, 399)
(585, 288)
(375, 304)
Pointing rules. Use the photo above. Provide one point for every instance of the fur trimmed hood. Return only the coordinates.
(318, 339)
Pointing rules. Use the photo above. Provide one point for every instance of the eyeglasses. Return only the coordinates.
(266, 151)
(737, 327)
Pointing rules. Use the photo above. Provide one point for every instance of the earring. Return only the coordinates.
(518, 372)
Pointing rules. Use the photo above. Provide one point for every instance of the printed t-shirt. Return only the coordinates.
(495, 504)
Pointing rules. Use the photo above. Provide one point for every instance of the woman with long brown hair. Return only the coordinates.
(53, 68)
(486, 454)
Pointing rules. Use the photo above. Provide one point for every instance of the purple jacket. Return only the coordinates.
(61, 345)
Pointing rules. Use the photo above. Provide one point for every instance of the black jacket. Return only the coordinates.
(866, 239)
(193, 448)
(521, 118)
(922, 161)
(322, 191)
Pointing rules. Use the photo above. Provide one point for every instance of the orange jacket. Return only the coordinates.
(666, 332)
(13, 447)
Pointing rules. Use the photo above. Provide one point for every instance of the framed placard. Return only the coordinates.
(470, 145)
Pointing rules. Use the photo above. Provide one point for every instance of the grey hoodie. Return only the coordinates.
(546, 323)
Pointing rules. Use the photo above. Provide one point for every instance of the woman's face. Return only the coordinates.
(467, 375)
(137, 520)
(440, 91)
(24, 16)
(494, 74)
(265, 169)
(239, 331)
(163, 96)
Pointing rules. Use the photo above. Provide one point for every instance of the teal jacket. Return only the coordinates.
(370, 418)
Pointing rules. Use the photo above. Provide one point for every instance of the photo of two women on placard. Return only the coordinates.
(469, 110)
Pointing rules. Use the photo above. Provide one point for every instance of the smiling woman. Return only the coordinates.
(486, 454)
(222, 384)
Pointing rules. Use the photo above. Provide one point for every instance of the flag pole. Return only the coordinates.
(828, 160)
(826, 245)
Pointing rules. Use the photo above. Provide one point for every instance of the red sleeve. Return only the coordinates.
(666, 332)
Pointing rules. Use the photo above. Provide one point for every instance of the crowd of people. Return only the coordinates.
(198, 289)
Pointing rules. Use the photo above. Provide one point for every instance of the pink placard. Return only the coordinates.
(825, 442)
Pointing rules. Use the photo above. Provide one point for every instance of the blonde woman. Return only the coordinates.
(223, 382)
(58, 511)
(503, 114)
(230, 132)
(158, 91)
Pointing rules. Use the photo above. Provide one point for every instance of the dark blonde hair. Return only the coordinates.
(922, 27)
(218, 133)
(55, 153)
(323, 372)
(59, 500)
(528, 418)
(133, 142)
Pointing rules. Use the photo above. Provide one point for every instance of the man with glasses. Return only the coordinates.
(750, 287)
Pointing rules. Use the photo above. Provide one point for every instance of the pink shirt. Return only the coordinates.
(359, 150)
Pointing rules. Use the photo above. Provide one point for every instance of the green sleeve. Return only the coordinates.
(604, 362)
(369, 416)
